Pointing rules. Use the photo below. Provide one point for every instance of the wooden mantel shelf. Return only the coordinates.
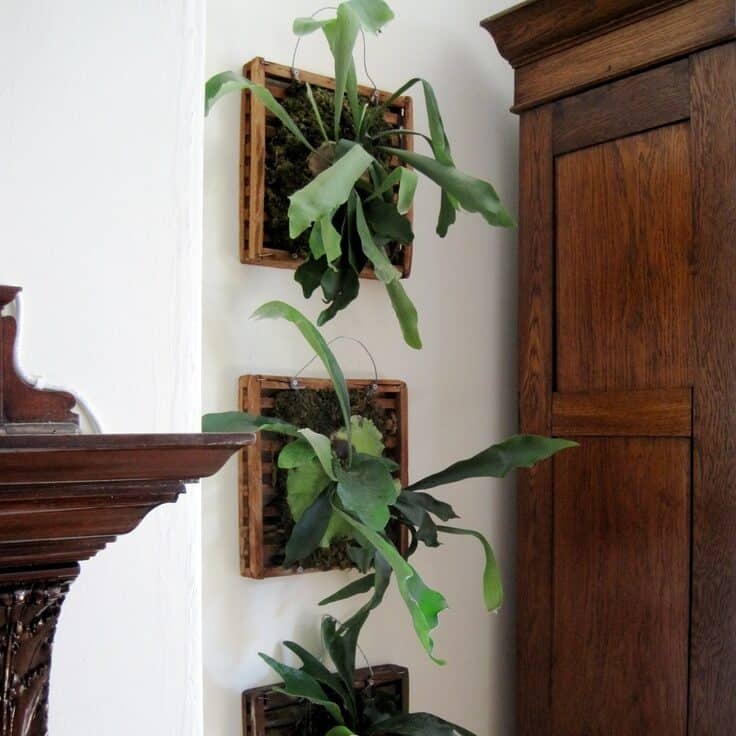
(64, 497)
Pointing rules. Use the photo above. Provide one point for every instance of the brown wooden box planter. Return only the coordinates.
(262, 537)
(268, 713)
(257, 126)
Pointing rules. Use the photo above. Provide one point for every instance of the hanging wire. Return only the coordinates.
(294, 382)
(295, 71)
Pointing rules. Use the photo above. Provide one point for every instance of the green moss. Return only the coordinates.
(287, 169)
(320, 411)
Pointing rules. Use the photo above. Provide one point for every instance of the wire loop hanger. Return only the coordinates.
(294, 380)
(295, 71)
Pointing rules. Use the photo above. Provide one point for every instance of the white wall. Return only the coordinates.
(462, 385)
(100, 221)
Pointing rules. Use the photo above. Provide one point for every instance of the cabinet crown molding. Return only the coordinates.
(562, 47)
(537, 28)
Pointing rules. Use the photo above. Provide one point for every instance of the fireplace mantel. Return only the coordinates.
(63, 497)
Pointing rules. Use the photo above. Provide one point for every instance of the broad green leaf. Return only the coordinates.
(228, 82)
(373, 14)
(367, 489)
(414, 514)
(304, 484)
(492, 583)
(427, 532)
(473, 195)
(240, 421)
(425, 502)
(337, 530)
(424, 604)
(407, 181)
(400, 91)
(406, 313)
(341, 645)
(309, 274)
(407, 189)
(346, 290)
(341, 35)
(322, 449)
(316, 244)
(519, 451)
(331, 284)
(385, 220)
(331, 239)
(383, 182)
(357, 587)
(305, 26)
(340, 731)
(440, 143)
(362, 557)
(309, 530)
(295, 454)
(413, 724)
(366, 438)
(383, 267)
(447, 216)
(354, 100)
(326, 192)
(381, 580)
(299, 684)
(315, 669)
(281, 310)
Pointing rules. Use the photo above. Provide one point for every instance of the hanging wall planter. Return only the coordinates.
(274, 164)
(267, 712)
(265, 514)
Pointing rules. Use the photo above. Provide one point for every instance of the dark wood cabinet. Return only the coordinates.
(627, 321)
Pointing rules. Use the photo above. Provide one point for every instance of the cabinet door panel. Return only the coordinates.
(621, 587)
(624, 235)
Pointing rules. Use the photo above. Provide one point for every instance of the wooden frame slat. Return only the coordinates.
(653, 98)
(254, 133)
(269, 713)
(260, 539)
(655, 413)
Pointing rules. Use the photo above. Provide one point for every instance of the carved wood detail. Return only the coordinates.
(28, 617)
(20, 402)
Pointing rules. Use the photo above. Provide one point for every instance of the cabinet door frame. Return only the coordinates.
(691, 88)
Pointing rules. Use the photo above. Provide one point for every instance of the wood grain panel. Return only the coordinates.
(624, 239)
(653, 40)
(621, 617)
(713, 663)
(536, 303)
(663, 413)
(651, 99)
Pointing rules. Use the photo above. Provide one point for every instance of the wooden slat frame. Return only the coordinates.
(253, 136)
(268, 713)
(255, 396)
